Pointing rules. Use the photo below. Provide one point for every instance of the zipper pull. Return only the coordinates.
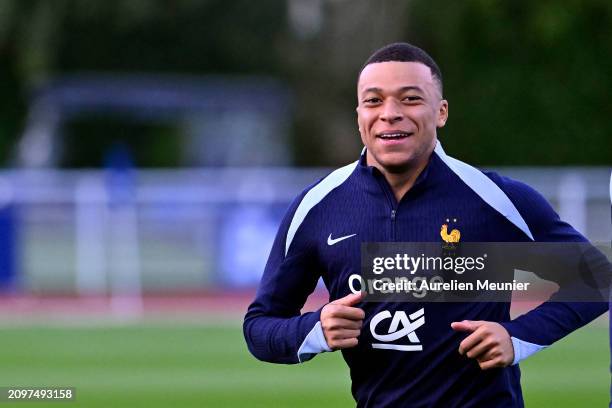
(392, 215)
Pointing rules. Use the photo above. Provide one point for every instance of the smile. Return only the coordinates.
(394, 135)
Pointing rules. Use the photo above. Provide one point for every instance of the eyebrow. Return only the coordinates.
(402, 89)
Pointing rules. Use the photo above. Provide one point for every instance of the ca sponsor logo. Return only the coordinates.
(408, 323)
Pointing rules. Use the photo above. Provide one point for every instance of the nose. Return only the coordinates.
(391, 112)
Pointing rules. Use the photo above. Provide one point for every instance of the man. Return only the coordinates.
(403, 188)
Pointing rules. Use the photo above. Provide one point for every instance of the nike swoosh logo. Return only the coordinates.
(331, 241)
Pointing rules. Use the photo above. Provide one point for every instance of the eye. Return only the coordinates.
(412, 98)
(372, 101)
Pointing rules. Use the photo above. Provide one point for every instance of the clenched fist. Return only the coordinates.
(341, 321)
(489, 343)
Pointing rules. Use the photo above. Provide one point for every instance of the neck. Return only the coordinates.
(402, 182)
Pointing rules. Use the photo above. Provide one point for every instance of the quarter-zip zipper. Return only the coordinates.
(393, 212)
(393, 204)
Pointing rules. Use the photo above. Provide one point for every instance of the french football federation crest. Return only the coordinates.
(451, 238)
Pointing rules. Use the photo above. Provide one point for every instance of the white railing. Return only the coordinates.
(166, 230)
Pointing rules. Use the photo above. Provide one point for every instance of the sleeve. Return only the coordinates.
(552, 320)
(274, 329)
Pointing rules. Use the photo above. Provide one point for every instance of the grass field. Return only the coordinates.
(165, 364)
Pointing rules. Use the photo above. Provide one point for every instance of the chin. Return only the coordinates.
(396, 165)
(397, 168)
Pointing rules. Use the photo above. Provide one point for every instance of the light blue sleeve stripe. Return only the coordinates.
(485, 188)
(523, 349)
(314, 196)
(313, 344)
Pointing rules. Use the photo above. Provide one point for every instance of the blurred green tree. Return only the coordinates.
(527, 81)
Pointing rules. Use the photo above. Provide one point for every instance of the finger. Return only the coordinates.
(350, 300)
(344, 343)
(350, 324)
(350, 313)
(339, 324)
(345, 334)
(480, 350)
(492, 354)
(487, 365)
(465, 325)
(469, 342)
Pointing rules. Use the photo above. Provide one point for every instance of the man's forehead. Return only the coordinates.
(395, 75)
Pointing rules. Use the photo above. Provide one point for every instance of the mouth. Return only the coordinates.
(394, 135)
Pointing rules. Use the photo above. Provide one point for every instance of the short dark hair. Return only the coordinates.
(404, 52)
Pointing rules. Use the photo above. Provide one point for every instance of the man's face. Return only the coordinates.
(399, 108)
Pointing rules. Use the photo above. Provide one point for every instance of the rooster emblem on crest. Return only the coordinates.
(451, 238)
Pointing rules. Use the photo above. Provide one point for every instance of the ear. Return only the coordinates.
(442, 113)
(359, 123)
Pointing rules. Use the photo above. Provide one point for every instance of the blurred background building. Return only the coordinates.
(152, 146)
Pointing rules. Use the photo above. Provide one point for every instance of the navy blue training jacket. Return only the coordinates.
(357, 201)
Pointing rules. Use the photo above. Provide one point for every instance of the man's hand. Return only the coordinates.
(341, 322)
(489, 343)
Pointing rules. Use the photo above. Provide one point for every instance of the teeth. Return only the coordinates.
(391, 135)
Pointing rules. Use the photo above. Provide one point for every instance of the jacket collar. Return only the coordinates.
(422, 180)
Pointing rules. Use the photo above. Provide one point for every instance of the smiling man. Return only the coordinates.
(400, 108)
(404, 188)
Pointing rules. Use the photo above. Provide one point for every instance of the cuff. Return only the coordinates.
(523, 349)
(313, 344)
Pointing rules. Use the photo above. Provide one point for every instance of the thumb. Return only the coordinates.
(465, 325)
(350, 300)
